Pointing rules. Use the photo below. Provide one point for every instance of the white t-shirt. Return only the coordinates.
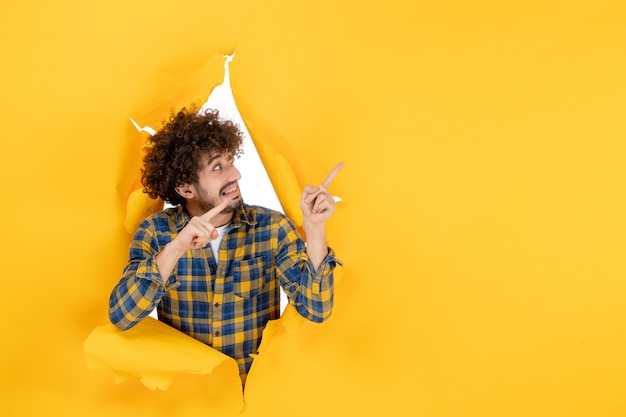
(215, 243)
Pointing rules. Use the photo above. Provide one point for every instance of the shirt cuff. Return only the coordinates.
(150, 271)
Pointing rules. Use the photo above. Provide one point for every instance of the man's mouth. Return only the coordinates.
(230, 191)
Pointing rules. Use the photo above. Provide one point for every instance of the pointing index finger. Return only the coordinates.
(332, 175)
(215, 210)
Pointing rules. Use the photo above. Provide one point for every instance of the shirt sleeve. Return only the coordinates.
(141, 287)
(310, 291)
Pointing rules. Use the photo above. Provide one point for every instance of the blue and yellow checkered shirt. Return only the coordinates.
(224, 304)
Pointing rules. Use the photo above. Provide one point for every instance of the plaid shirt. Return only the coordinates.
(224, 304)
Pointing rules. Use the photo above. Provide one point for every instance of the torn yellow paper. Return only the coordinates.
(483, 230)
(155, 353)
(138, 207)
(282, 176)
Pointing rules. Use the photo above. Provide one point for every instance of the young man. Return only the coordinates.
(213, 265)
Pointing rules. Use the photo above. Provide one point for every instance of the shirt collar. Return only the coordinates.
(242, 214)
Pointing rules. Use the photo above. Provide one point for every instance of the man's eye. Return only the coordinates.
(217, 167)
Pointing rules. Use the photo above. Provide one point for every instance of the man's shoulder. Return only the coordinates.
(163, 217)
(254, 208)
(261, 216)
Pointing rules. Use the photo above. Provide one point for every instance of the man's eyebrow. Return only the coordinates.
(214, 157)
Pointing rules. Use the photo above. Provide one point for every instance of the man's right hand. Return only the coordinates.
(196, 234)
(199, 231)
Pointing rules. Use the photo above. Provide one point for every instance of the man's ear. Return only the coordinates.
(185, 191)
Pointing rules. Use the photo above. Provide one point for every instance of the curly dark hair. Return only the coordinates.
(174, 158)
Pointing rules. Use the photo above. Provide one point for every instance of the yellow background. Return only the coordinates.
(482, 227)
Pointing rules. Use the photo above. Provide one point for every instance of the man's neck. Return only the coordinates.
(219, 220)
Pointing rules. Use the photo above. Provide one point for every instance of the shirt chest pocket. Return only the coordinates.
(249, 277)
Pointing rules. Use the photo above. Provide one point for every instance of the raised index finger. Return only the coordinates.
(215, 211)
(332, 175)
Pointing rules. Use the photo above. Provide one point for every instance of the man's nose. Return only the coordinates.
(234, 174)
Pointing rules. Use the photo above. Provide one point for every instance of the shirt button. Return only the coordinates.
(217, 304)
(217, 333)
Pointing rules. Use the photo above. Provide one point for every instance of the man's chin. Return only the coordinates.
(233, 205)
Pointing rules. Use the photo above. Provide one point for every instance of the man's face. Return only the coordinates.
(218, 181)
